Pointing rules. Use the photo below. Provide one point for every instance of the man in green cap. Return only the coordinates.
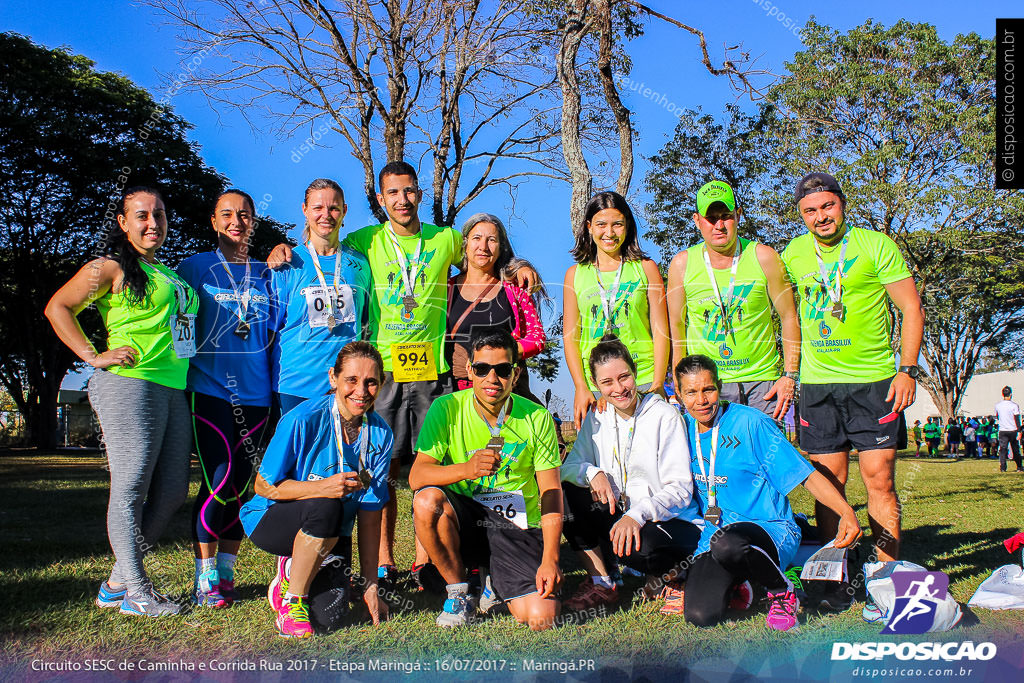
(851, 393)
(720, 295)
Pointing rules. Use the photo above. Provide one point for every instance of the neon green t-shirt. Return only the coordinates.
(631, 319)
(744, 349)
(856, 348)
(453, 430)
(389, 322)
(147, 328)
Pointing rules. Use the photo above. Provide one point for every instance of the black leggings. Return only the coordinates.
(739, 552)
(228, 440)
(663, 545)
(281, 523)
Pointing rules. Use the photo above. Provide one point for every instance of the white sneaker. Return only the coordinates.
(489, 600)
(459, 609)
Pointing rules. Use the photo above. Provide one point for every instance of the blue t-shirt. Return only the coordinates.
(755, 470)
(225, 365)
(304, 449)
(303, 353)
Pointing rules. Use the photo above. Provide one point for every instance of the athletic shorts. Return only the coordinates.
(511, 554)
(750, 394)
(841, 417)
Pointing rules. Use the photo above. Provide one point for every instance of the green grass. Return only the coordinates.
(55, 555)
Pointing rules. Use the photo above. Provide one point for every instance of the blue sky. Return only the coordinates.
(135, 41)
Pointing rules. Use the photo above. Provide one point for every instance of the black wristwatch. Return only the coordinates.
(912, 370)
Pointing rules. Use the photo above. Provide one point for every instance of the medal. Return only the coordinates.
(713, 515)
(334, 293)
(242, 296)
(409, 269)
(364, 474)
(723, 303)
(623, 502)
(496, 441)
(834, 290)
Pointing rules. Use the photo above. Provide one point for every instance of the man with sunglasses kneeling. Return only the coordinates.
(488, 490)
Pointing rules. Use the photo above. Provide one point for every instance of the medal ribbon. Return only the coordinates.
(180, 291)
(837, 295)
(241, 297)
(409, 274)
(608, 297)
(622, 463)
(712, 495)
(496, 429)
(723, 304)
(364, 438)
(320, 274)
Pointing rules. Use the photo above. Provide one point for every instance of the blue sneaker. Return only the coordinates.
(207, 590)
(110, 597)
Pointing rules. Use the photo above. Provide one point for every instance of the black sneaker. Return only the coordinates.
(426, 578)
(837, 597)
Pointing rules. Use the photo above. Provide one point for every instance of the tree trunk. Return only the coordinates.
(577, 25)
(611, 96)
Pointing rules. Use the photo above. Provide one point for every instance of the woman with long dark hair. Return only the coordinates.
(617, 290)
(229, 385)
(137, 389)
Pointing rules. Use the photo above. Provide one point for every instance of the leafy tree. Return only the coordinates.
(905, 121)
(71, 139)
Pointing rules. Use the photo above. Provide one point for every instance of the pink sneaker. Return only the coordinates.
(782, 609)
(742, 596)
(293, 619)
(279, 586)
(227, 589)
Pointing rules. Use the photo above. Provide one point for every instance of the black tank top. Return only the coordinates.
(496, 312)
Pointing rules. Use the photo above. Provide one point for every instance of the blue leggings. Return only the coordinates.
(228, 440)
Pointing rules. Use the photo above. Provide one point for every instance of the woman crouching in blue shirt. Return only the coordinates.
(326, 465)
(749, 530)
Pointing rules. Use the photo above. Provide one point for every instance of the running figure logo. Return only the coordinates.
(917, 596)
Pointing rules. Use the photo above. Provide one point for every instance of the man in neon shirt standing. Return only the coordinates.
(851, 392)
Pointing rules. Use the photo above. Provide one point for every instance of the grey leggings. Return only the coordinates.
(148, 436)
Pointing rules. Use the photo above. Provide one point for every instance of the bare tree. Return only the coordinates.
(396, 78)
(606, 21)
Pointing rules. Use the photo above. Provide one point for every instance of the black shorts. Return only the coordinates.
(840, 417)
(512, 555)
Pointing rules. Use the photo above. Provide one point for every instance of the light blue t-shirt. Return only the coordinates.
(225, 365)
(302, 354)
(755, 470)
(304, 449)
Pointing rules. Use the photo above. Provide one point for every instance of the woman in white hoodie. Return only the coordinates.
(627, 483)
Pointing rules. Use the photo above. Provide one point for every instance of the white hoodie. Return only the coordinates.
(659, 483)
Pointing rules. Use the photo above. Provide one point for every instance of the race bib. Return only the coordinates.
(321, 303)
(510, 505)
(413, 362)
(183, 335)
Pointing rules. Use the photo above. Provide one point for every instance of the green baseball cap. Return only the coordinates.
(715, 191)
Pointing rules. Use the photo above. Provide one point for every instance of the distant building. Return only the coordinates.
(983, 392)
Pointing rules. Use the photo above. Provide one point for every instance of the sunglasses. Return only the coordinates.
(502, 370)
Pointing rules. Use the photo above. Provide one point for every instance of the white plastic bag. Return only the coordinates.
(883, 593)
(1003, 590)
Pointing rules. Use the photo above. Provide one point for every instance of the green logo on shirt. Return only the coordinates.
(715, 328)
(816, 296)
(622, 305)
(396, 284)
